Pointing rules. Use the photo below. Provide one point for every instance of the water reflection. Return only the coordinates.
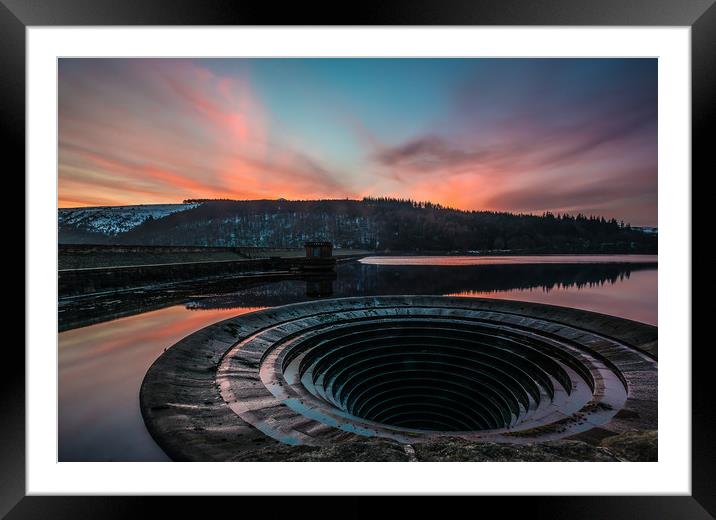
(371, 276)
(626, 290)
(320, 287)
(633, 296)
(101, 366)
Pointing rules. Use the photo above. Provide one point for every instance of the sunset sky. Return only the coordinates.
(522, 135)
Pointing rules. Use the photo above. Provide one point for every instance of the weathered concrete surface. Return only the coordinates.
(639, 446)
(643, 448)
(358, 451)
(184, 410)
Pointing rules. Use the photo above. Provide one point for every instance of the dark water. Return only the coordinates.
(101, 366)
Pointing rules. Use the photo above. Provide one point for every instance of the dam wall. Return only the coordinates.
(183, 264)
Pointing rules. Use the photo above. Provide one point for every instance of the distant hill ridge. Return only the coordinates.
(371, 223)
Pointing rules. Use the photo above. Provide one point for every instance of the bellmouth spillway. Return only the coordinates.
(404, 368)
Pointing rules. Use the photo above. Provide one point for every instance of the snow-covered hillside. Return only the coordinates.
(112, 220)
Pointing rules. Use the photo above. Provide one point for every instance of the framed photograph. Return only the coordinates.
(424, 251)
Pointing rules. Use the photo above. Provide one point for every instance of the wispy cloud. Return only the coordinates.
(589, 149)
(162, 131)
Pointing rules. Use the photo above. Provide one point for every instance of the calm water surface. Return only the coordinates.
(101, 366)
(505, 260)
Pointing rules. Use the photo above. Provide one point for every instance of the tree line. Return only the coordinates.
(386, 224)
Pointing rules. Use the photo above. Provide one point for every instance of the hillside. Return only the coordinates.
(109, 221)
(375, 224)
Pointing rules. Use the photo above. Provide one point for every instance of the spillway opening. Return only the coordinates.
(436, 375)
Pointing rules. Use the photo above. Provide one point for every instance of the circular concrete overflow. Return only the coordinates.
(406, 368)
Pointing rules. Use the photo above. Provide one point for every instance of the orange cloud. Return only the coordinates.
(187, 133)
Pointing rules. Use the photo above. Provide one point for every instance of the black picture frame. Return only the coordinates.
(700, 15)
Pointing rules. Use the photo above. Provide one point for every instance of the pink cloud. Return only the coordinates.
(174, 130)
